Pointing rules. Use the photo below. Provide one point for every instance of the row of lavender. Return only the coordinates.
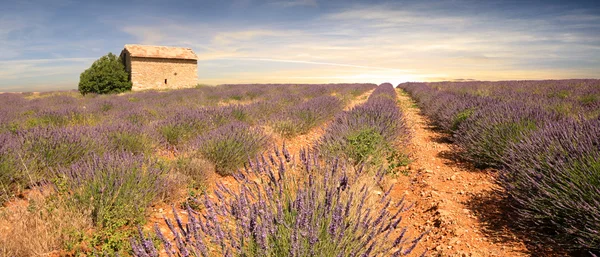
(543, 136)
(371, 133)
(319, 206)
(109, 155)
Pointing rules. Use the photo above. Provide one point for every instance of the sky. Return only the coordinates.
(45, 45)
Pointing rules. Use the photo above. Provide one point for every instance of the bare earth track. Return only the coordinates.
(451, 199)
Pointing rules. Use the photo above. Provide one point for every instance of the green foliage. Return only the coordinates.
(112, 242)
(55, 120)
(106, 107)
(236, 97)
(198, 172)
(563, 94)
(46, 120)
(309, 120)
(365, 145)
(227, 154)
(176, 134)
(230, 146)
(481, 92)
(136, 119)
(355, 93)
(195, 168)
(287, 128)
(114, 191)
(107, 75)
(45, 154)
(240, 115)
(201, 86)
(585, 171)
(191, 199)
(563, 108)
(589, 99)
(131, 142)
(492, 143)
(12, 127)
(460, 117)
(300, 123)
(396, 159)
(11, 177)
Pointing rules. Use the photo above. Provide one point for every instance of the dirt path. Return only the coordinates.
(451, 199)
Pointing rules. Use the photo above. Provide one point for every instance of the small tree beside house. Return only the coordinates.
(107, 75)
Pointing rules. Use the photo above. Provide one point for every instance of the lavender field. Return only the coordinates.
(543, 137)
(85, 175)
(91, 166)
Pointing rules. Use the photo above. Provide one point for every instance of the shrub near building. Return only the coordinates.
(107, 75)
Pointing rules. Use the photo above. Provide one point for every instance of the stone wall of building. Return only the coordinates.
(157, 73)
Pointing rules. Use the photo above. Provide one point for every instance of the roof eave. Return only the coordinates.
(168, 58)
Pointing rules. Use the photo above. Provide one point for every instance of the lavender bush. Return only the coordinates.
(300, 119)
(281, 208)
(44, 149)
(12, 177)
(117, 188)
(553, 181)
(229, 147)
(114, 191)
(183, 124)
(485, 135)
(124, 137)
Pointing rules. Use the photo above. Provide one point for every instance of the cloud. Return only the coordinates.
(145, 35)
(294, 3)
(15, 70)
(384, 16)
(229, 37)
(318, 63)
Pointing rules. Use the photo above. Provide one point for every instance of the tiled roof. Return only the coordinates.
(166, 52)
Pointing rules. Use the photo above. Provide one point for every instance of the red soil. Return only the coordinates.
(451, 199)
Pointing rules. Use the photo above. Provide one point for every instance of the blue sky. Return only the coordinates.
(45, 45)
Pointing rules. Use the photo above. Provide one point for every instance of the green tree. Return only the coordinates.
(106, 75)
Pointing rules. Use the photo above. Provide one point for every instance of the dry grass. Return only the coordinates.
(39, 226)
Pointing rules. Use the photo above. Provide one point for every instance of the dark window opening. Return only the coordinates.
(165, 81)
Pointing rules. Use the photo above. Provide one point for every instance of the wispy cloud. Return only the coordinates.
(293, 3)
(230, 37)
(385, 16)
(42, 72)
(319, 63)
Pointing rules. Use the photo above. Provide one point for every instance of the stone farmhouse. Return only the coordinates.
(160, 67)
